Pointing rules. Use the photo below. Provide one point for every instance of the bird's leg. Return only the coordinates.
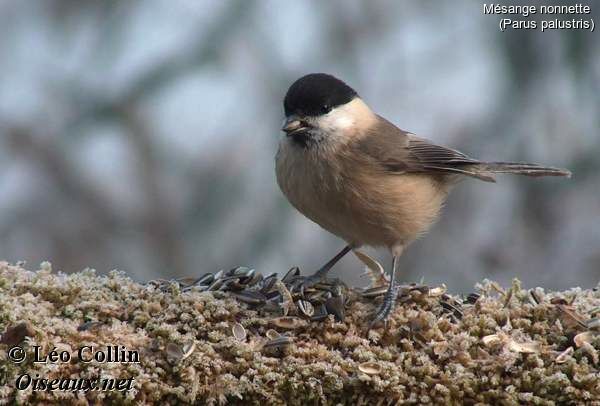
(389, 300)
(322, 272)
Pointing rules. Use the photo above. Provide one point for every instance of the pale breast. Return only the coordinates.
(350, 198)
(311, 184)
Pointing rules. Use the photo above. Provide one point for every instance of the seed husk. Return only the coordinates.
(491, 340)
(238, 331)
(272, 334)
(288, 322)
(305, 307)
(288, 300)
(188, 349)
(527, 348)
(563, 356)
(590, 350)
(370, 368)
(570, 317)
(585, 337)
(374, 269)
(438, 291)
(320, 296)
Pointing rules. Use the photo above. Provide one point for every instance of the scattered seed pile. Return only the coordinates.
(235, 337)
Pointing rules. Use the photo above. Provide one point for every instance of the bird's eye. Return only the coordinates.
(326, 108)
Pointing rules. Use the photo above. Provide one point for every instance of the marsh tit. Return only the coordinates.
(365, 180)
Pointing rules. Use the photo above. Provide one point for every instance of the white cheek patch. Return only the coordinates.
(336, 120)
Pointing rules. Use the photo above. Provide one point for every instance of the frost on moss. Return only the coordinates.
(510, 346)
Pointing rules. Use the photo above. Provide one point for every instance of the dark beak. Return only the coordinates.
(294, 125)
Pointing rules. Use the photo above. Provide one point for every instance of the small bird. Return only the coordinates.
(365, 180)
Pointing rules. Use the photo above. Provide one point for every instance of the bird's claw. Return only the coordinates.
(386, 308)
(305, 282)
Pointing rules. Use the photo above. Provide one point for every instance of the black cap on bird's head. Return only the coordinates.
(316, 94)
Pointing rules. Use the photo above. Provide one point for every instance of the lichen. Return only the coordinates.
(189, 354)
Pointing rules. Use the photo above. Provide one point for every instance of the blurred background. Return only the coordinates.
(140, 135)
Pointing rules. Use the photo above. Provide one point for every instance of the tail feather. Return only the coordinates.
(522, 169)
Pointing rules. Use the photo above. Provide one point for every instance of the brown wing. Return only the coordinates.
(398, 151)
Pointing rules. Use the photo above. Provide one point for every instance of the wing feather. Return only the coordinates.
(398, 151)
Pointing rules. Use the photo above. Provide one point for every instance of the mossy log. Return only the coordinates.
(510, 346)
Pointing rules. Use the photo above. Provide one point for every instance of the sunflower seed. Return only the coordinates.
(370, 368)
(585, 337)
(306, 307)
(335, 306)
(439, 291)
(250, 296)
(288, 300)
(320, 314)
(279, 342)
(188, 349)
(374, 270)
(290, 323)
(232, 284)
(291, 275)
(238, 331)
(527, 348)
(253, 278)
(472, 298)
(563, 356)
(491, 340)
(455, 311)
(320, 296)
(267, 283)
(570, 317)
(272, 334)
(239, 271)
(216, 285)
(374, 292)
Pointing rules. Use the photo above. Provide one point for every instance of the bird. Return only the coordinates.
(365, 180)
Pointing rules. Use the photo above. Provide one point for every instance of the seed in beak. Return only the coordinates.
(293, 125)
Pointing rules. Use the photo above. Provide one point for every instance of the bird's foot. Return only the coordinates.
(386, 308)
(299, 283)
